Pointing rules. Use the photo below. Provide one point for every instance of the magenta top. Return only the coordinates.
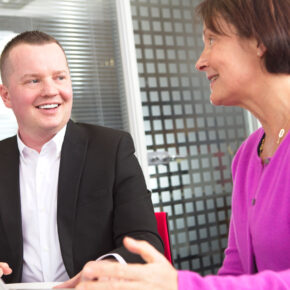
(259, 235)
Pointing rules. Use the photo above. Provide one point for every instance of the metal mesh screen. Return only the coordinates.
(196, 190)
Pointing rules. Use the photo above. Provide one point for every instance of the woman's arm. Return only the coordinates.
(158, 274)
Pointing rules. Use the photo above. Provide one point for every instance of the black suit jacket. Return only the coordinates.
(102, 197)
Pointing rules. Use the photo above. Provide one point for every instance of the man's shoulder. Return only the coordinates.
(7, 142)
(98, 128)
(92, 131)
(9, 148)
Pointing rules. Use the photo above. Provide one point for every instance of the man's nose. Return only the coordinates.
(49, 88)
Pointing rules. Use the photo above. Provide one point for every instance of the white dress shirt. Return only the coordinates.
(42, 260)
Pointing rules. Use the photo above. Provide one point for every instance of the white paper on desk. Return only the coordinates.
(34, 285)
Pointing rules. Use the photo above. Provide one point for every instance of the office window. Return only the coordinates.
(88, 32)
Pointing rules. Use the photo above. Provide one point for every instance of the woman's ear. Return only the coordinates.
(261, 49)
(5, 96)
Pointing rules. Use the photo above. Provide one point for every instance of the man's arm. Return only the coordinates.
(133, 210)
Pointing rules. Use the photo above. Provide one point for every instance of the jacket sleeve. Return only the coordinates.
(133, 210)
(265, 280)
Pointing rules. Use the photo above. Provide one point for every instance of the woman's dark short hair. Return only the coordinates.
(28, 37)
(268, 21)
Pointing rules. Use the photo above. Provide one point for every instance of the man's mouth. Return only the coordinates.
(48, 106)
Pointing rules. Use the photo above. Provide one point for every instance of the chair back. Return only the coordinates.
(162, 226)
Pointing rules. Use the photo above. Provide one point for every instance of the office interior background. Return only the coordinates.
(132, 67)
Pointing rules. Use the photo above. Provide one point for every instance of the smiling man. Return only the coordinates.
(69, 192)
(37, 87)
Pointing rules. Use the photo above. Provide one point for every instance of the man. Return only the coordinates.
(69, 192)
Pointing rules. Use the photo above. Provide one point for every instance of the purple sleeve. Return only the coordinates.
(266, 280)
(232, 263)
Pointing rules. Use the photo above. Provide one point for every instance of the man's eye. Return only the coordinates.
(210, 40)
(60, 78)
(34, 81)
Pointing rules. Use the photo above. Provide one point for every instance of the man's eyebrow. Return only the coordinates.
(29, 75)
(60, 72)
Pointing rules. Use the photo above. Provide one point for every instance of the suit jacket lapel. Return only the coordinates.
(10, 204)
(71, 165)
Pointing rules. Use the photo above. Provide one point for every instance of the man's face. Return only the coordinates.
(38, 89)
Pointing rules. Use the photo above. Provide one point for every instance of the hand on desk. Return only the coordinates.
(74, 281)
(71, 283)
(4, 269)
(158, 273)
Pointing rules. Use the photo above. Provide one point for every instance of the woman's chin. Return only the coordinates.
(215, 101)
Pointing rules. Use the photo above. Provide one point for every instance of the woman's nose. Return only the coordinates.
(202, 63)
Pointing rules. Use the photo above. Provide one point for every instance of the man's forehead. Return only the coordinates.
(26, 59)
(31, 55)
(28, 47)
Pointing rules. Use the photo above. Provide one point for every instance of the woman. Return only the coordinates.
(246, 58)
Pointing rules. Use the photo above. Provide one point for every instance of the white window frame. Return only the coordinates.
(131, 83)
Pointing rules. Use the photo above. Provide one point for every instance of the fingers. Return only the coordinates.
(145, 250)
(114, 271)
(5, 269)
(99, 269)
(70, 283)
(102, 270)
(109, 285)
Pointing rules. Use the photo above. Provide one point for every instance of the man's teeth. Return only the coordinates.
(48, 106)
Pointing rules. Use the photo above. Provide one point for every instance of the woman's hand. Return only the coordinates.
(71, 283)
(157, 274)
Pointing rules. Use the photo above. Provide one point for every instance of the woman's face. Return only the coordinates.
(231, 65)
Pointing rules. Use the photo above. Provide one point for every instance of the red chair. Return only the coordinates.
(162, 227)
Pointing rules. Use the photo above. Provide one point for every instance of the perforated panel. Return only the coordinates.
(196, 191)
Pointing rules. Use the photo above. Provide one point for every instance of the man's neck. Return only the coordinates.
(37, 140)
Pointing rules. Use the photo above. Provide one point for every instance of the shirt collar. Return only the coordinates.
(57, 140)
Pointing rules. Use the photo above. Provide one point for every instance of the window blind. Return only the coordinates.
(87, 30)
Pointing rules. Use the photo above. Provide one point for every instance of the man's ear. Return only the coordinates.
(5, 96)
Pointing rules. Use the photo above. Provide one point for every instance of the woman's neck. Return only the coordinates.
(271, 106)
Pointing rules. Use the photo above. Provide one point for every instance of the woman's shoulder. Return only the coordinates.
(252, 140)
(249, 148)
